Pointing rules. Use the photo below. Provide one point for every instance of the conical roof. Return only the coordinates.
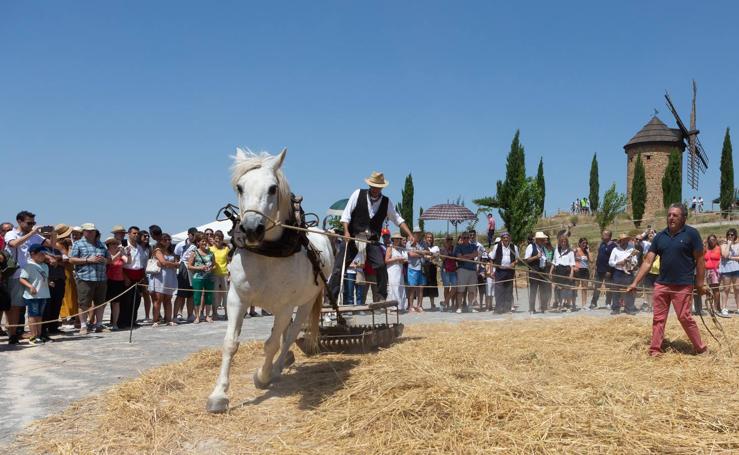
(656, 131)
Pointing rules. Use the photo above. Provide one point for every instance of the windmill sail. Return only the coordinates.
(697, 158)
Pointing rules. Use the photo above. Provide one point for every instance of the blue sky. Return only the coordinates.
(127, 112)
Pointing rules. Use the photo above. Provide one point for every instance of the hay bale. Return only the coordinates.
(581, 385)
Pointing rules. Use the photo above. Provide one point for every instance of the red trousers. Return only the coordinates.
(681, 298)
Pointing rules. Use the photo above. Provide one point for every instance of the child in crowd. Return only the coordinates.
(35, 278)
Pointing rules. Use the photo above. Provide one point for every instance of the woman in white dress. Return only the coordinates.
(395, 257)
(163, 284)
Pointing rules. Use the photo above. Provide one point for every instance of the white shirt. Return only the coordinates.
(180, 248)
(505, 257)
(372, 207)
(20, 253)
(617, 255)
(539, 250)
(564, 258)
(137, 257)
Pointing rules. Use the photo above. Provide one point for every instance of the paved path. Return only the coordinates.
(38, 381)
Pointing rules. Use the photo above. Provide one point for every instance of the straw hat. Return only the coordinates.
(88, 227)
(62, 231)
(624, 236)
(377, 179)
(111, 240)
(117, 228)
(396, 235)
(540, 235)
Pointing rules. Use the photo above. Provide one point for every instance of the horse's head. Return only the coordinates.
(262, 190)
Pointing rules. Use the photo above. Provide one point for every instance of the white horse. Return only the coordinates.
(278, 284)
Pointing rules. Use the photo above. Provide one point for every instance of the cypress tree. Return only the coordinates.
(672, 182)
(542, 187)
(594, 184)
(405, 207)
(638, 191)
(515, 178)
(421, 224)
(727, 196)
(522, 213)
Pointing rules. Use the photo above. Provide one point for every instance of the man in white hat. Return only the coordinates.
(365, 213)
(90, 258)
(536, 259)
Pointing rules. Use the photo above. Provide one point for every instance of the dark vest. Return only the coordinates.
(361, 221)
(498, 255)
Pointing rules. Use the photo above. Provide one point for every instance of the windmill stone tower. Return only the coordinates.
(655, 142)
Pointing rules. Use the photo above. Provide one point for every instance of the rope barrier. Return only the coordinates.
(60, 319)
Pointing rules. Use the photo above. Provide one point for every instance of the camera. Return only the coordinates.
(46, 229)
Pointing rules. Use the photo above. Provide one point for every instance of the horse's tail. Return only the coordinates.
(313, 323)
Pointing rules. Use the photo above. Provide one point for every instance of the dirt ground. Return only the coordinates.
(580, 385)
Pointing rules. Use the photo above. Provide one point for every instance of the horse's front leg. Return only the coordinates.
(262, 377)
(218, 401)
(286, 357)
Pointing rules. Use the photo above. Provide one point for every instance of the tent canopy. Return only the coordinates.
(337, 208)
(223, 226)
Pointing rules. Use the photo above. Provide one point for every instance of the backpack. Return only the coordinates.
(8, 264)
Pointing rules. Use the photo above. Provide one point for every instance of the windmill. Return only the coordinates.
(697, 158)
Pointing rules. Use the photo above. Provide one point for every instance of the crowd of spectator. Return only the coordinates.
(475, 278)
(60, 279)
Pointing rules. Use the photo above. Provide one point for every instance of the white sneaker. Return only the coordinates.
(725, 312)
(459, 311)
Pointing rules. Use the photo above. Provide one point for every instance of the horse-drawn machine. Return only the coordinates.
(337, 331)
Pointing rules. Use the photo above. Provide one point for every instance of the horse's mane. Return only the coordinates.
(245, 160)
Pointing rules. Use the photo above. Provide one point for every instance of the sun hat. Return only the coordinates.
(62, 230)
(377, 179)
(505, 234)
(497, 240)
(624, 236)
(76, 229)
(385, 231)
(88, 227)
(111, 240)
(117, 228)
(396, 235)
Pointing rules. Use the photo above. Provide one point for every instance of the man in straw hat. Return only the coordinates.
(682, 267)
(364, 214)
(536, 259)
(90, 257)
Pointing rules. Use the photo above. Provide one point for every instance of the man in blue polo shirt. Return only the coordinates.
(682, 266)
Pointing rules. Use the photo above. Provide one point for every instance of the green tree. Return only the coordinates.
(638, 191)
(405, 206)
(672, 182)
(727, 195)
(613, 204)
(522, 212)
(594, 184)
(515, 178)
(421, 224)
(542, 187)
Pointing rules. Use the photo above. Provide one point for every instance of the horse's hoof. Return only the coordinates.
(258, 382)
(217, 405)
(289, 359)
